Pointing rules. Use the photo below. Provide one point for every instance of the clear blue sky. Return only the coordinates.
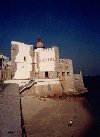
(72, 25)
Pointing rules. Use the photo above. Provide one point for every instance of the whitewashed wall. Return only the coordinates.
(45, 59)
(23, 60)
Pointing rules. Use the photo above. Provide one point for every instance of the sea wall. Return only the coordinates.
(44, 89)
(47, 87)
(78, 82)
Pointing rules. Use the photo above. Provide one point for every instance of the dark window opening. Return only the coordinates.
(63, 73)
(24, 58)
(68, 73)
(46, 74)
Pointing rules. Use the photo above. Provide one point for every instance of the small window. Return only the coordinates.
(68, 73)
(24, 58)
(63, 73)
(13, 48)
(46, 75)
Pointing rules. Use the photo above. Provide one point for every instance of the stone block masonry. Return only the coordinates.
(10, 116)
(38, 62)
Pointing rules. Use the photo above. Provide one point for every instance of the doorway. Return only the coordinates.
(46, 74)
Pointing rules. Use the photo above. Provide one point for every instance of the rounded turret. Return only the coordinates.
(39, 44)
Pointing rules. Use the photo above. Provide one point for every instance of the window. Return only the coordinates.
(24, 58)
(63, 73)
(46, 75)
(68, 73)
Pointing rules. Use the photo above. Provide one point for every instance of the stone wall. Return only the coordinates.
(65, 74)
(32, 72)
(65, 69)
(14, 52)
(56, 58)
(6, 74)
(48, 74)
(44, 63)
(68, 85)
(44, 90)
(78, 81)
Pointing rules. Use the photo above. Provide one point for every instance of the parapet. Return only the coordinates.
(19, 43)
(16, 43)
(46, 49)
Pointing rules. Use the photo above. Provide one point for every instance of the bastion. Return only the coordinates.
(41, 72)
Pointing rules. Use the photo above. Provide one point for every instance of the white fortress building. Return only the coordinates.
(28, 62)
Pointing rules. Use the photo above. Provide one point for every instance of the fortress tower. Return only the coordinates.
(44, 63)
(39, 44)
(45, 60)
(21, 60)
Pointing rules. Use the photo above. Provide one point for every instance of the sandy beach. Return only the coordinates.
(45, 117)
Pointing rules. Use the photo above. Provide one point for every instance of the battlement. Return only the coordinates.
(16, 43)
(65, 60)
(68, 61)
(46, 49)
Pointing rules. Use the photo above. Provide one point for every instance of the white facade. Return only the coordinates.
(40, 63)
(44, 59)
(44, 64)
(23, 61)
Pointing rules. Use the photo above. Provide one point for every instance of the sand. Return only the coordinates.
(51, 117)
